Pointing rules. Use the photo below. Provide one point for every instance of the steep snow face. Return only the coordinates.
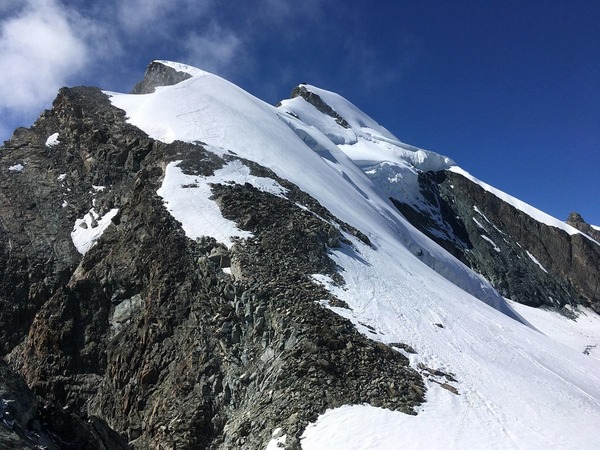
(366, 142)
(517, 388)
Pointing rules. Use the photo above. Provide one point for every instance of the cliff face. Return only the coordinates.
(575, 220)
(146, 332)
(526, 260)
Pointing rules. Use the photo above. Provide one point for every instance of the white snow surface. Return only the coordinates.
(180, 67)
(52, 140)
(16, 168)
(519, 388)
(581, 334)
(277, 441)
(89, 229)
(187, 197)
(534, 259)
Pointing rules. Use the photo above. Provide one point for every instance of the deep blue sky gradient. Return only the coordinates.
(509, 89)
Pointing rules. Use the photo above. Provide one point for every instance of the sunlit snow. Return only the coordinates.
(52, 140)
(277, 441)
(16, 168)
(89, 229)
(187, 197)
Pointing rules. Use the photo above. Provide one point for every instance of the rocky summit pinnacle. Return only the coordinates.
(193, 268)
(575, 220)
(158, 74)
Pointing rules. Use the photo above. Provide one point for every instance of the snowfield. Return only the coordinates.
(521, 381)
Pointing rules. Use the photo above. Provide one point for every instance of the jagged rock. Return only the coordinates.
(156, 75)
(27, 423)
(575, 220)
(525, 260)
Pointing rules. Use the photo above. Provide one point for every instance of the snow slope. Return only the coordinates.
(209, 109)
(517, 387)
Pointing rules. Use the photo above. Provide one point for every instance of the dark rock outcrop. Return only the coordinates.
(156, 75)
(317, 102)
(575, 220)
(525, 260)
(28, 423)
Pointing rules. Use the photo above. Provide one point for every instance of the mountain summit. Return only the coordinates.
(187, 266)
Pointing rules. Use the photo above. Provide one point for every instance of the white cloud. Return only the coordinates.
(39, 50)
(44, 46)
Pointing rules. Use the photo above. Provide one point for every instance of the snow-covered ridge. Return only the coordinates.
(214, 111)
(179, 67)
(531, 211)
(369, 144)
(366, 142)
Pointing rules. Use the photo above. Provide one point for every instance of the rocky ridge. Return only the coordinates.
(156, 75)
(145, 341)
(525, 260)
(575, 220)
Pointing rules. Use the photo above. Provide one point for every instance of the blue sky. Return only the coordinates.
(509, 89)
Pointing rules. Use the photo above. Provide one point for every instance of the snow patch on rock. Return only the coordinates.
(52, 140)
(89, 229)
(16, 168)
(187, 198)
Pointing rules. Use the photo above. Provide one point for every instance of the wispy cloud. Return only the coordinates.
(159, 17)
(44, 45)
(39, 48)
(214, 50)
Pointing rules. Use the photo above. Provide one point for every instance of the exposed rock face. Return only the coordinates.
(524, 259)
(145, 332)
(575, 220)
(27, 423)
(317, 102)
(41, 202)
(158, 74)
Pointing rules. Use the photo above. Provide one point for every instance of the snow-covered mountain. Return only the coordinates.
(189, 266)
